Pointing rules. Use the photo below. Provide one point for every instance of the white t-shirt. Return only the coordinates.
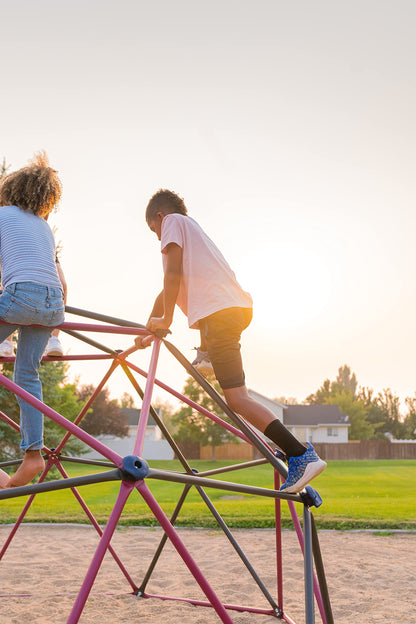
(208, 284)
(27, 248)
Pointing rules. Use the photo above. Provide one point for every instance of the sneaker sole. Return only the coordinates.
(312, 470)
(54, 353)
(205, 371)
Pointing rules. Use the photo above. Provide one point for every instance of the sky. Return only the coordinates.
(289, 130)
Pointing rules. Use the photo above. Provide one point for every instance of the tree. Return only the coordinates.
(193, 426)
(361, 428)
(104, 416)
(370, 416)
(357, 405)
(167, 415)
(410, 420)
(3, 168)
(127, 401)
(321, 395)
(58, 394)
(9, 437)
(345, 381)
(386, 410)
(374, 414)
(286, 400)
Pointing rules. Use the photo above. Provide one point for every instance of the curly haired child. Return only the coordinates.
(32, 300)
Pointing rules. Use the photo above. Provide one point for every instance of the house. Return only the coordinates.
(309, 423)
(317, 423)
(155, 447)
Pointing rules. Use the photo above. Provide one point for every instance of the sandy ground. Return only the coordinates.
(371, 578)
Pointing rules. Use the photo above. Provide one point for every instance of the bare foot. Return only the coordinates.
(4, 479)
(32, 464)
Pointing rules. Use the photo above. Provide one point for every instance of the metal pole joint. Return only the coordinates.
(134, 468)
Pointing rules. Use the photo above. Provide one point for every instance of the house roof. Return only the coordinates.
(314, 415)
(133, 415)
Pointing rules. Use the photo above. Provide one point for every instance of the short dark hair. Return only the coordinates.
(165, 200)
(35, 188)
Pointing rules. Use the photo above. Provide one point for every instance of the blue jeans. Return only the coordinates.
(22, 304)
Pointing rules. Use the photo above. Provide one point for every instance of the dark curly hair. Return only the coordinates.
(35, 188)
(167, 200)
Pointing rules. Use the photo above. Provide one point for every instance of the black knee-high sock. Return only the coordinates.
(278, 433)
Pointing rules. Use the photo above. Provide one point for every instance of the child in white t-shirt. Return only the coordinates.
(199, 280)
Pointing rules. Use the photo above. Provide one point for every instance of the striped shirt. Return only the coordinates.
(27, 248)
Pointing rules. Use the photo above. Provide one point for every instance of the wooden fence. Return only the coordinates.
(355, 449)
(229, 451)
(367, 449)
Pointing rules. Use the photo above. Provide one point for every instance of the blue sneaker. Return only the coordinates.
(302, 470)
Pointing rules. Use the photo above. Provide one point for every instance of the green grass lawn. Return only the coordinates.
(379, 495)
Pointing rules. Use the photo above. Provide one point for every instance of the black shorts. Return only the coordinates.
(220, 336)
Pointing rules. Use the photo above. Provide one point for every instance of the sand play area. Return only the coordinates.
(371, 578)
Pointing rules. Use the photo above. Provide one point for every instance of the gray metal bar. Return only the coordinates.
(12, 462)
(62, 484)
(102, 317)
(74, 460)
(250, 464)
(88, 462)
(308, 562)
(177, 477)
(90, 341)
(320, 573)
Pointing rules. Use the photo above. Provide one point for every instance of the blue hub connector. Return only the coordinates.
(311, 497)
(134, 468)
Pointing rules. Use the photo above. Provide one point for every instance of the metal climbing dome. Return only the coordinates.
(133, 473)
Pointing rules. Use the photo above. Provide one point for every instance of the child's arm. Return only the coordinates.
(62, 279)
(171, 283)
(157, 310)
(145, 341)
